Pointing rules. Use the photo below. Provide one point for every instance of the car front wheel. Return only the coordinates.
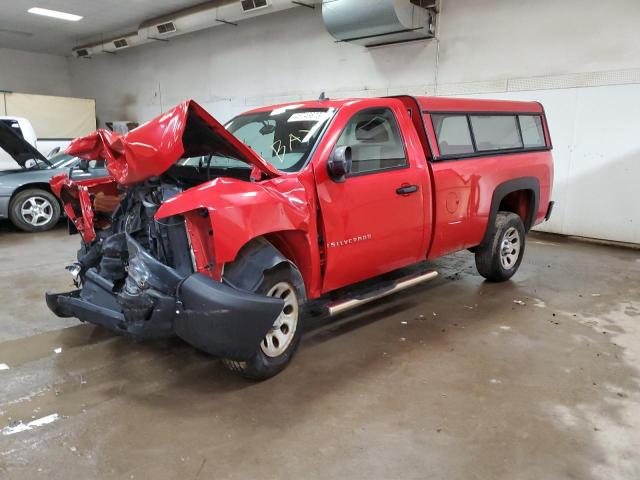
(34, 210)
(281, 341)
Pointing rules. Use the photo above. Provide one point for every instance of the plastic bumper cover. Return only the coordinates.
(210, 315)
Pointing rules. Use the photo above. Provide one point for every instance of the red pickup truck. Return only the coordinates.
(227, 236)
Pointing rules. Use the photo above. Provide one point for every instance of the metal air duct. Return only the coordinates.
(205, 15)
(379, 22)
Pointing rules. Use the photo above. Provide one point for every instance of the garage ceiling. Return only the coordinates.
(24, 31)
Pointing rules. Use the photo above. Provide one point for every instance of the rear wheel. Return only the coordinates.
(278, 346)
(34, 210)
(500, 257)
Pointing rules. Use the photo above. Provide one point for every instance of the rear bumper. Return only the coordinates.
(210, 315)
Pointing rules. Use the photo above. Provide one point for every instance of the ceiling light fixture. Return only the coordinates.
(55, 14)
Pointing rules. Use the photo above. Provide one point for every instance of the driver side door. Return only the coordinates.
(374, 220)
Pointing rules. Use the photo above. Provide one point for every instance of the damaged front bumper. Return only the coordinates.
(155, 301)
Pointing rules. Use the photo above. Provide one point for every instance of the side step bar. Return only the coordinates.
(402, 284)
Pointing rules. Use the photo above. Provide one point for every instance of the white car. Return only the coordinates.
(25, 195)
(24, 129)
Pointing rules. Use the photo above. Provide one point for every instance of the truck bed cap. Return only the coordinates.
(447, 104)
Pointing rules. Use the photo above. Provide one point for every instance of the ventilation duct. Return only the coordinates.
(205, 15)
(379, 22)
(119, 43)
(165, 28)
(248, 5)
(185, 21)
(108, 45)
(82, 52)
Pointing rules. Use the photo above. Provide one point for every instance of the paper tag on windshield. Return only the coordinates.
(307, 117)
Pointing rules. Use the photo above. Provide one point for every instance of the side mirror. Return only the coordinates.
(339, 164)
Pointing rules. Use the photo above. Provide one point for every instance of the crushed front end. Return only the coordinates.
(136, 277)
(144, 276)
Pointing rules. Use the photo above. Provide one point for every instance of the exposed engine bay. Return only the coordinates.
(136, 207)
(132, 232)
(137, 276)
(134, 216)
(165, 240)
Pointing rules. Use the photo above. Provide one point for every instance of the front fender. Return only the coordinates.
(239, 211)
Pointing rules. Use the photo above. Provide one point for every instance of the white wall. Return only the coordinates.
(28, 72)
(580, 60)
(32, 73)
(597, 159)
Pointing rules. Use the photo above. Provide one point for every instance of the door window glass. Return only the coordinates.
(375, 141)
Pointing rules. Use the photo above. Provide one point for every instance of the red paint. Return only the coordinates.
(369, 205)
(76, 200)
(445, 104)
(238, 211)
(336, 233)
(152, 148)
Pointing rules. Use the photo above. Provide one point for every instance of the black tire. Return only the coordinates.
(50, 210)
(263, 366)
(499, 258)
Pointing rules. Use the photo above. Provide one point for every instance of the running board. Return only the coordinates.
(402, 284)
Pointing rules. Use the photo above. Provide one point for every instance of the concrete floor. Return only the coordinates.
(450, 380)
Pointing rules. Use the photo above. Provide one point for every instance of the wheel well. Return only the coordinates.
(293, 245)
(518, 195)
(273, 249)
(256, 257)
(518, 202)
(39, 186)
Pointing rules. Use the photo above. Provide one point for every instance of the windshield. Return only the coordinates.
(283, 137)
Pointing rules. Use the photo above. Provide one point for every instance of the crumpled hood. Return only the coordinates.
(151, 149)
(18, 148)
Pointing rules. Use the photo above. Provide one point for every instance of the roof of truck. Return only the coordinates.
(448, 104)
(429, 104)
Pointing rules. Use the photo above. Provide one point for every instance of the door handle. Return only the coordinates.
(407, 189)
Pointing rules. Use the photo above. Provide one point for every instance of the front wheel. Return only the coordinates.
(280, 343)
(34, 210)
(499, 258)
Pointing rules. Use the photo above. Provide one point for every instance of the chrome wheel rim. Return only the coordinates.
(279, 337)
(510, 248)
(36, 211)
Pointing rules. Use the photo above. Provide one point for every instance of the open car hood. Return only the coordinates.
(19, 149)
(151, 149)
